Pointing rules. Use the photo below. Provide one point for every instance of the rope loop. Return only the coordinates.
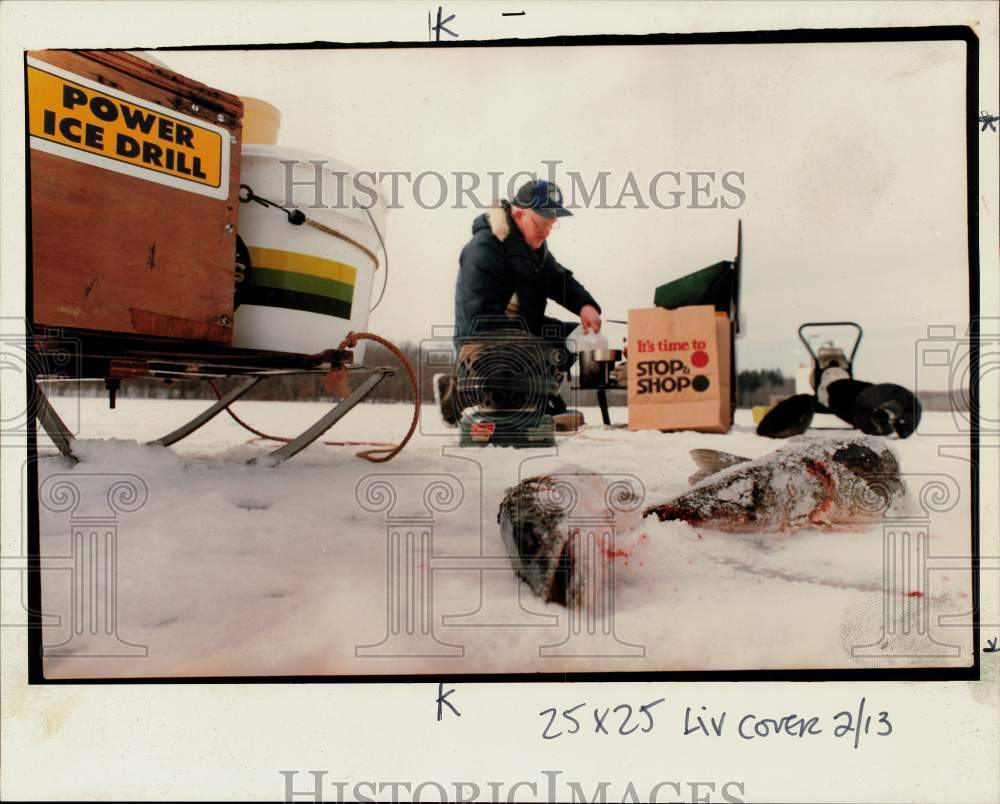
(337, 380)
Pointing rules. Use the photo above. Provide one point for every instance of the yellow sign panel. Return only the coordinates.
(140, 138)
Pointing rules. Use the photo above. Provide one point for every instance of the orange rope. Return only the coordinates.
(337, 379)
(349, 343)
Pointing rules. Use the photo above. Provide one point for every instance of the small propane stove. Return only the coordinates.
(596, 372)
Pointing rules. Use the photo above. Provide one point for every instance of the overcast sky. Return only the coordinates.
(852, 155)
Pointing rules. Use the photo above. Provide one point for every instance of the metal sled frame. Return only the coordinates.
(116, 357)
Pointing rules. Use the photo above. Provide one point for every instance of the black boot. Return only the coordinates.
(555, 405)
(788, 418)
(444, 392)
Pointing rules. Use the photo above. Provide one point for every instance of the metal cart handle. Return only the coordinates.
(857, 342)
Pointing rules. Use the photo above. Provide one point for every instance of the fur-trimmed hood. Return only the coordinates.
(498, 217)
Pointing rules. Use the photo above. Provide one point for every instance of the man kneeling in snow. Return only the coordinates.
(507, 275)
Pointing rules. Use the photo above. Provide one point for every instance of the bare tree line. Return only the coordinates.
(754, 387)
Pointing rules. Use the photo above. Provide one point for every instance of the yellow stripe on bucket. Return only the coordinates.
(303, 264)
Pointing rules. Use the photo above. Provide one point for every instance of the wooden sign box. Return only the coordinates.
(134, 186)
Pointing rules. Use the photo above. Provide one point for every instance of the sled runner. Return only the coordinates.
(85, 355)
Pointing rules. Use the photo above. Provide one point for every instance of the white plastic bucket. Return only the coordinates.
(306, 289)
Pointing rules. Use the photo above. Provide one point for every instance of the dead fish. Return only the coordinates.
(559, 531)
(814, 482)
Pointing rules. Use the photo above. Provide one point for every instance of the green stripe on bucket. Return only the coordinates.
(300, 283)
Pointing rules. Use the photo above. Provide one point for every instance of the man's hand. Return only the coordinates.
(590, 319)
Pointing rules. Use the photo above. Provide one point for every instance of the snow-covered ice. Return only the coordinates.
(329, 564)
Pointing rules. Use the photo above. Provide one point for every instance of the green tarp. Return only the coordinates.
(715, 285)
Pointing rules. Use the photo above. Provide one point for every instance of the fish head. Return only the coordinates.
(873, 472)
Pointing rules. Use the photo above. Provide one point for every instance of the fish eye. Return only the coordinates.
(857, 457)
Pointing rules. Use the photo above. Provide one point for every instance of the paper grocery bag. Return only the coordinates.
(679, 364)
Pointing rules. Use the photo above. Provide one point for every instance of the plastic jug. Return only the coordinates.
(591, 342)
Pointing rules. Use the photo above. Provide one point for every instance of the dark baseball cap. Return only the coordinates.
(542, 196)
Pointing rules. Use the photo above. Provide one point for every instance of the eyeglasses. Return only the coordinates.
(542, 223)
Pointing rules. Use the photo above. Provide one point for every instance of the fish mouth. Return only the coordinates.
(653, 509)
(671, 512)
(888, 479)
